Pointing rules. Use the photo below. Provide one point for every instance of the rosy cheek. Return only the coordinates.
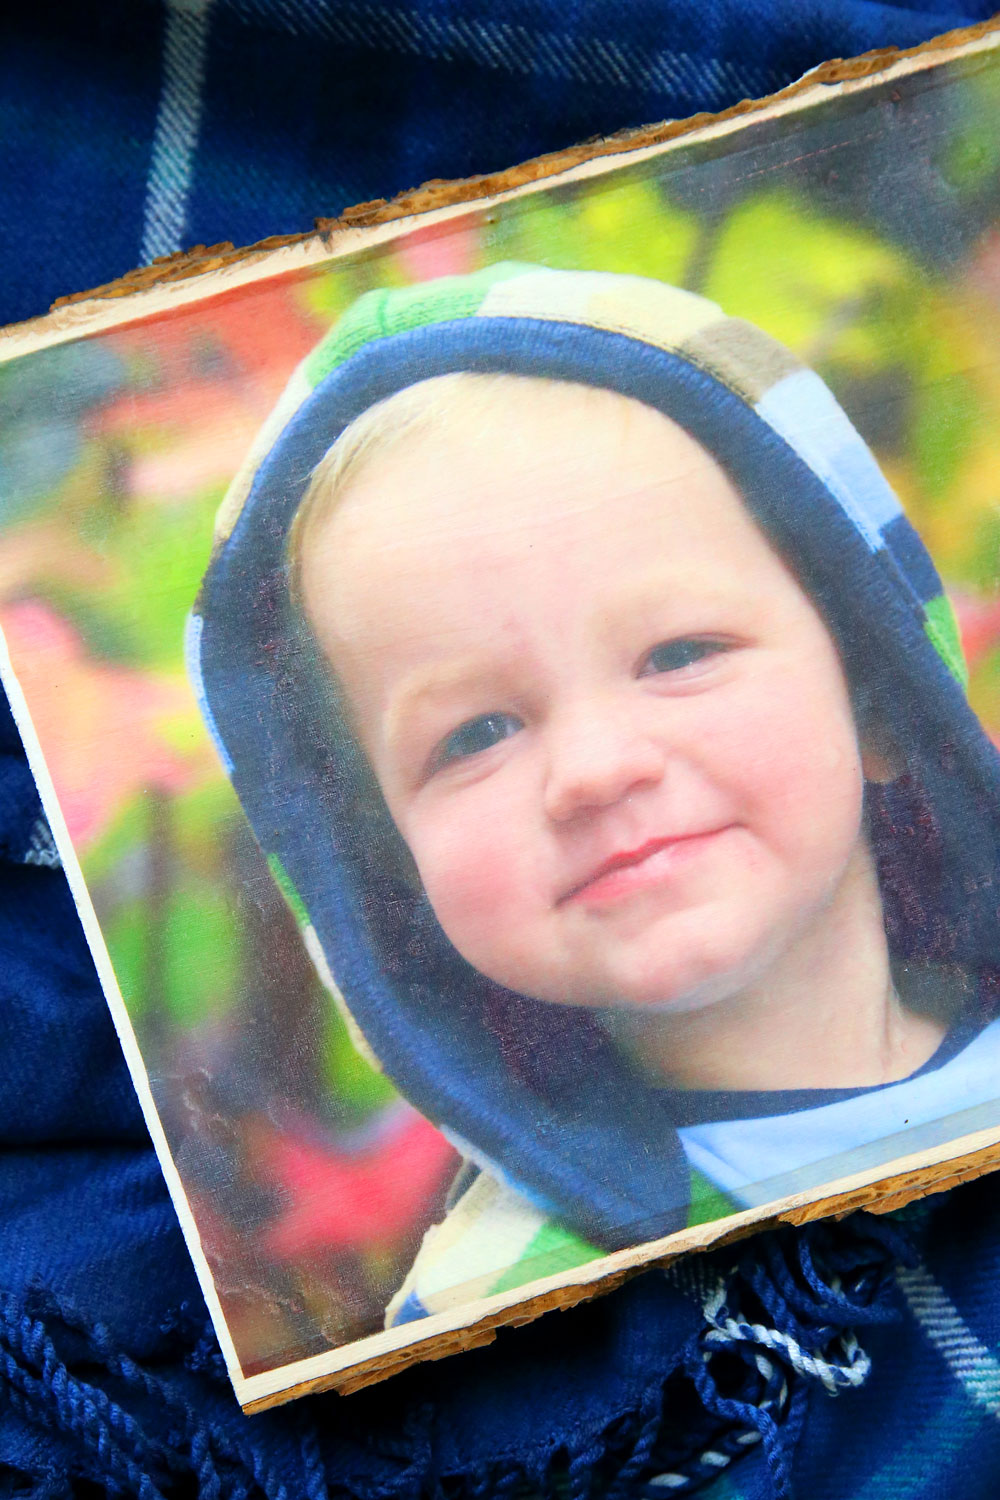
(471, 867)
(804, 764)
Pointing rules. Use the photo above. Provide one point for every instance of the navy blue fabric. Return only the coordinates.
(309, 106)
(112, 1383)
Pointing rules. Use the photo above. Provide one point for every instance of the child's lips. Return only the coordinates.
(636, 869)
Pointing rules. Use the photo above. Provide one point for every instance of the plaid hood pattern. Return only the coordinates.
(512, 1081)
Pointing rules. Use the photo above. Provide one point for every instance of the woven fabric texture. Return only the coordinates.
(857, 1359)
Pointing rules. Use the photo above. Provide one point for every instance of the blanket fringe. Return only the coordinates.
(779, 1323)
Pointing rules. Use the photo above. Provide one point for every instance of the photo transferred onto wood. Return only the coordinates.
(516, 692)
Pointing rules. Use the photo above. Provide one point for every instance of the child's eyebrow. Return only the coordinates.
(425, 684)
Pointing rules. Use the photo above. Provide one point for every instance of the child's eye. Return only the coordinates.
(674, 656)
(474, 736)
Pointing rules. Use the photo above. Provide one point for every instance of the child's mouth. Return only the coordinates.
(636, 869)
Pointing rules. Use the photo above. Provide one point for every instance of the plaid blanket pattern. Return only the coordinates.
(145, 127)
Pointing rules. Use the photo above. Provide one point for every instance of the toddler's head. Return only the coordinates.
(611, 726)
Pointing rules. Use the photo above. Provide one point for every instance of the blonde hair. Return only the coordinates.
(439, 404)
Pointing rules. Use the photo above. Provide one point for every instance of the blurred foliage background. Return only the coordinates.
(868, 241)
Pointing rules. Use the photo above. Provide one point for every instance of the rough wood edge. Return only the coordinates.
(438, 193)
(883, 1196)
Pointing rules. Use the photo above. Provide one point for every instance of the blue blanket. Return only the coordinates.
(853, 1359)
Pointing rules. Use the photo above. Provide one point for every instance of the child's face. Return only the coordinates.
(610, 726)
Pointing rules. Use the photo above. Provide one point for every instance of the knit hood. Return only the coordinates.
(537, 1092)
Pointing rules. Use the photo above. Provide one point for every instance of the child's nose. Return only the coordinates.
(594, 761)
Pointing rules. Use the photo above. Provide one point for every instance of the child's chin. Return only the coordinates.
(674, 989)
(662, 971)
(659, 1002)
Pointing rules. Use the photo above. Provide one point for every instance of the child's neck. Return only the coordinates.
(827, 1015)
